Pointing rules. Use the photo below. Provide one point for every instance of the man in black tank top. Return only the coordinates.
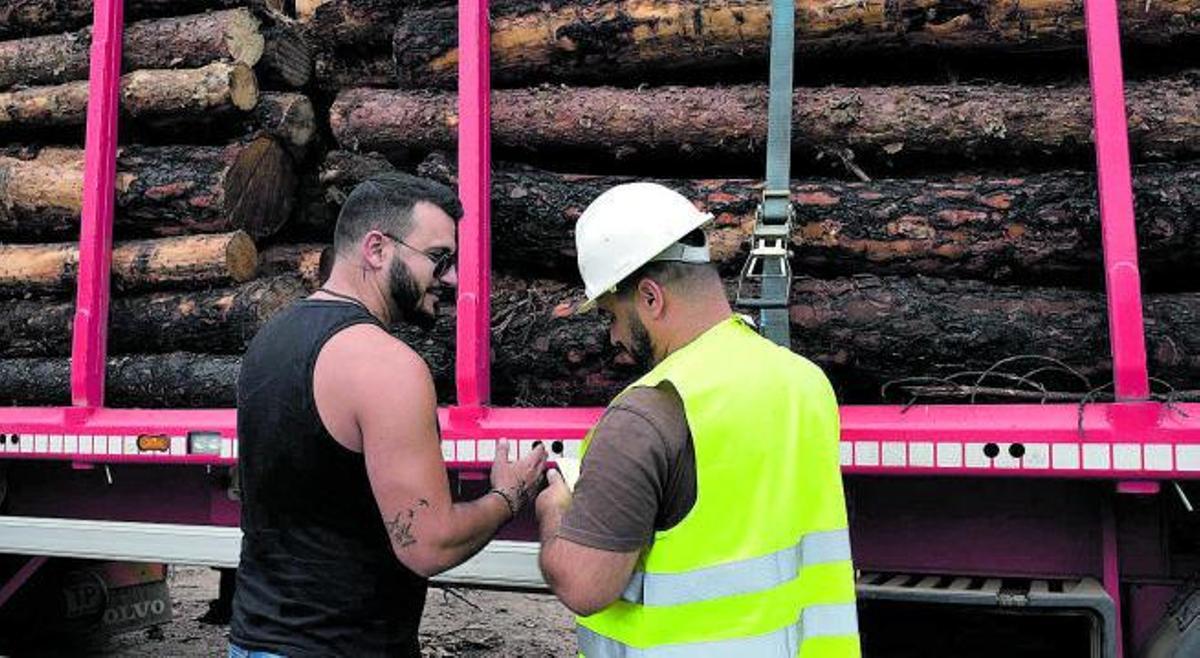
(346, 507)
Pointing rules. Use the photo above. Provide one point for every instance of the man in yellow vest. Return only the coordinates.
(708, 518)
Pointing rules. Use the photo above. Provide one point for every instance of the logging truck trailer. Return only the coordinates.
(1043, 529)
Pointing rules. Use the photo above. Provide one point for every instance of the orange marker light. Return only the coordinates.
(154, 443)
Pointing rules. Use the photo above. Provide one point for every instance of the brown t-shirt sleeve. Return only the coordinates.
(638, 475)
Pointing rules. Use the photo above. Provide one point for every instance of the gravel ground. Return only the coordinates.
(457, 622)
(475, 623)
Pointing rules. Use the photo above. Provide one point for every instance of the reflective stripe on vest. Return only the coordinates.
(815, 621)
(741, 577)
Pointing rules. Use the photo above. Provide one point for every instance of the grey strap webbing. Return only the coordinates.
(768, 262)
(777, 207)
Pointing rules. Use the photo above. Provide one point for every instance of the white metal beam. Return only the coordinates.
(511, 564)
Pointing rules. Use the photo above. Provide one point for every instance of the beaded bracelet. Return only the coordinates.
(512, 506)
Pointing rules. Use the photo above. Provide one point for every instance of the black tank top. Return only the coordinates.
(317, 575)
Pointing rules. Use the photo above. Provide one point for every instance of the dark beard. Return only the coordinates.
(641, 349)
(406, 295)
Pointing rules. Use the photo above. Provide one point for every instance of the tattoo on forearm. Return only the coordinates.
(400, 529)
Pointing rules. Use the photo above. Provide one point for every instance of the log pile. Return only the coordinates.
(943, 178)
(216, 126)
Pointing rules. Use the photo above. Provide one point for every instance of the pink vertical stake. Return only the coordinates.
(1122, 280)
(89, 344)
(472, 365)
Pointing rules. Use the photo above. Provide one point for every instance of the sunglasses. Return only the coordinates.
(442, 260)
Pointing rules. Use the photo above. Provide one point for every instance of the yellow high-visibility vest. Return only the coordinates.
(761, 566)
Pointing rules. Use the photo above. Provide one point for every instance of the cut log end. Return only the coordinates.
(244, 38)
(288, 116)
(302, 124)
(243, 87)
(241, 257)
(189, 261)
(287, 60)
(305, 9)
(259, 188)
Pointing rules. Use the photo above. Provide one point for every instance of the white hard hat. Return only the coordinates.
(631, 225)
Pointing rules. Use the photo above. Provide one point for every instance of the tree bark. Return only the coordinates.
(178, 380)
(23, 18)
(607, 40)
(359, 23)
(317, 11)
(287, 59)
(190, 261)
(864, 331)
(221, 320)
(309, 261)
(185, 42)
(344, 68)
(162, 191)
(916, 127)
(867, 331)
(1035, 230)
(163, 97)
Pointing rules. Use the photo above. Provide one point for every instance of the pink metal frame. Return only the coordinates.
(1134, 440)
(1131, 421)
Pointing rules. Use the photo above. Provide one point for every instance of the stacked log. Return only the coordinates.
(33, 17)
(180, 262)
(896, 128)
(162, 190)
(1015, 229)
(214, 126)
(864, 330)
(217, 320)
(943, 179)
(596, 42)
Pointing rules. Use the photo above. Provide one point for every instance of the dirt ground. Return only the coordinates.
(457, 622)
(475, 623)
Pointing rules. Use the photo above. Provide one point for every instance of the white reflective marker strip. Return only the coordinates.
(1097, 457)
(1064, 456)
(866, 453)
(1127, 457)
(741, 577)
(1187, 458)
(920, 454)
(815, 621)
(895, 453)
(486, 450)
(1005, 460)
(976, 457)
(1037, 456)
(1090, 456)
(466, 451)
(1158, 457)
(846, 453)
(949, 455)
(99, 444)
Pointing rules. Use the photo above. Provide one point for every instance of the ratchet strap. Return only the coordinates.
(765, 282)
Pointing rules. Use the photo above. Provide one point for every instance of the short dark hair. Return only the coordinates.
(385, 202)
(671, 274)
